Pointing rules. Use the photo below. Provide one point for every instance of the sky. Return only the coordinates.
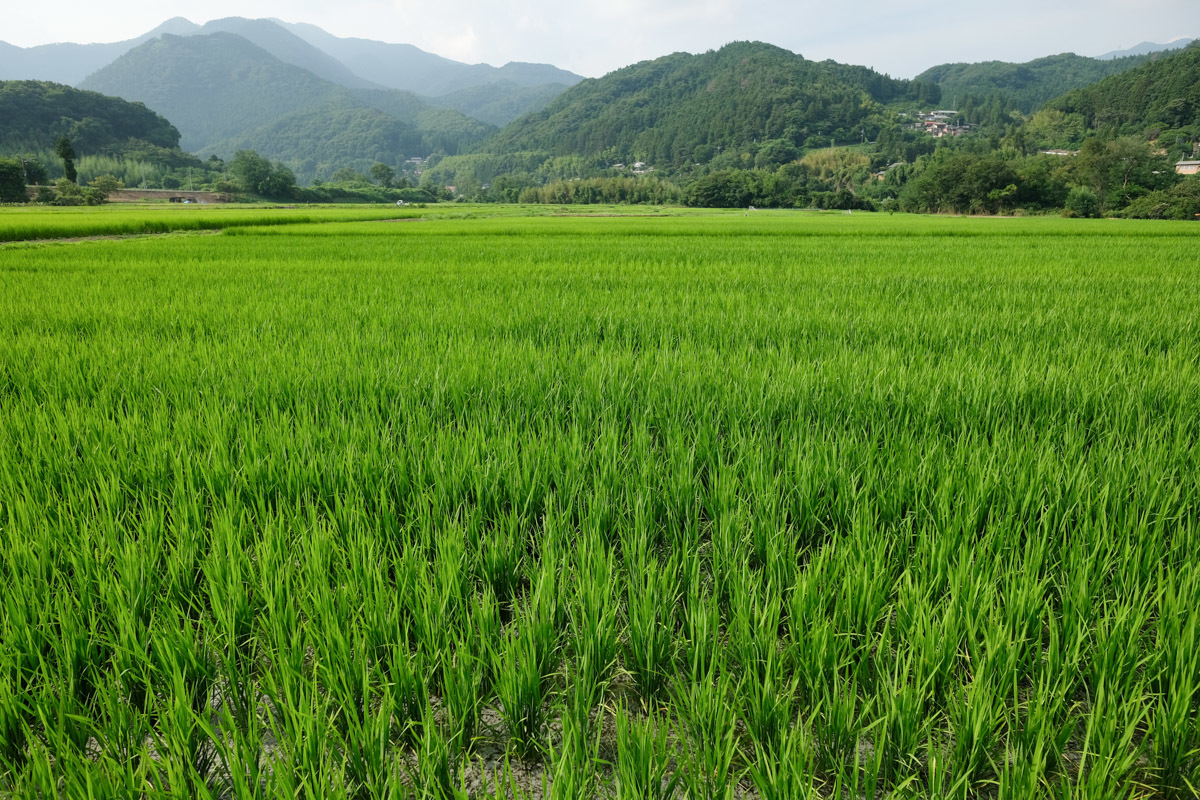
(592, 37)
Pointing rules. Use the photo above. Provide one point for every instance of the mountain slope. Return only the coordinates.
(33, 114)
(319, 140)
(1030, 85)
(1145, 48)
(501, 102)
(70, 63)
(404, 66)
(685, 108)
(1163, 92)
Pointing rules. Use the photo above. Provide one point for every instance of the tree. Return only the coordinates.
(1120, 170)
(105, 185)
(1050, 128)
(279, 183)
(257, 175)
(726, 189)
(347, 176)
(12, 181)
(249, 170)
(64, 150)
(383, 175)
(35, 171)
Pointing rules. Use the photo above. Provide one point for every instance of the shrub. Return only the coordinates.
(1082, 202)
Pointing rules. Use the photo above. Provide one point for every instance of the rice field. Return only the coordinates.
(780, 506)
(36, 223)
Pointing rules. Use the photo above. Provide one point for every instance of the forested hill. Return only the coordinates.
(1026, 86)
(226, 93)
(686, 108)
(33, 114)
(1164, 93)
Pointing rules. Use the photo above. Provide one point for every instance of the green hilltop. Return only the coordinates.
(686, 108)
(1164, 93)
(1026, 86)
(33, 114)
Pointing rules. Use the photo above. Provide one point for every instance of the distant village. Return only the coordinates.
(940, 124)
(638, 168)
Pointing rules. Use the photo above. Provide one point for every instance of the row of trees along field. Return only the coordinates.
(61, 177)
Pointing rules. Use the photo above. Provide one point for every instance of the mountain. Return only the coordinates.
(33, 114)
(404, 66)
(495, 95)
(212, 87)
(1146, 48)
(288, 48)
(70, 63)
(226, 93)
(1163, 92)
(686, 108)
(1026, 86)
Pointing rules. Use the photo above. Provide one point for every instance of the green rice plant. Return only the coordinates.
(755, 623)
(1038, 737)
(785, 770)
(13, 725)
(839, 718)
(501, 557)
(240, 748)
(545, 616)
(570, 771)
(592, 619)
(122, 733)
(438, 775)
(404, 671)
(935, 634)
(767, 699)
(649, 648)
(186, 753)
(302, 725)
(1110, 750)
(522, 689)
(643, 758)
(1174, 729)
(186, 756)
(572, 766)
(465, 676)
(976, 716)
(708, 718)
(1020, 779)
(904, 724)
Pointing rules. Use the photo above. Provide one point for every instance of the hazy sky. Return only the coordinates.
(592, 37)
